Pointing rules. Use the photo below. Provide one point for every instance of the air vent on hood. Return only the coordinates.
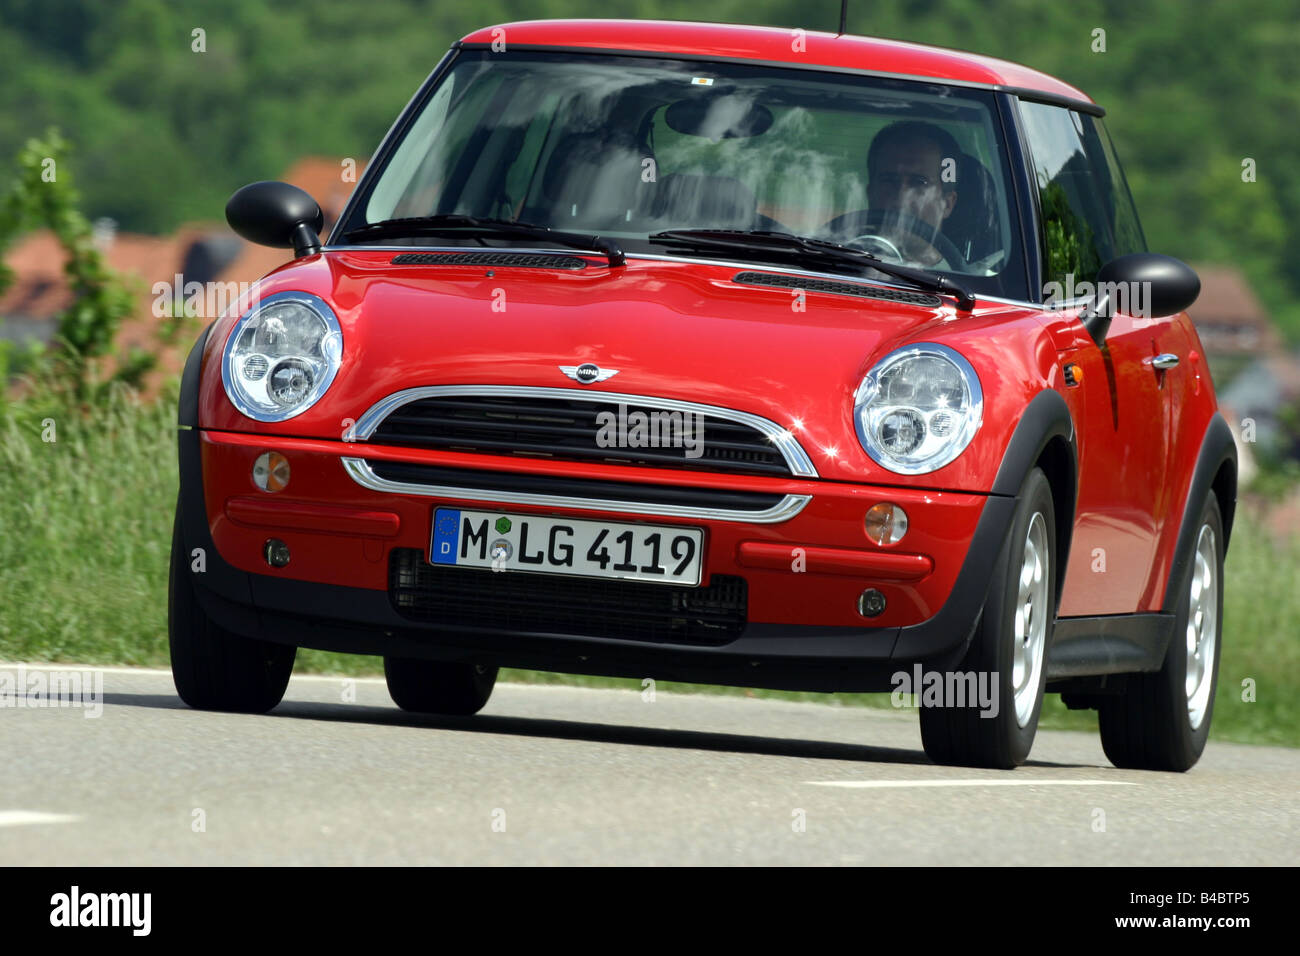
(525, 260)
(837, 288)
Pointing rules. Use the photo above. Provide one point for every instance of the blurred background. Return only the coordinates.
(124, 128)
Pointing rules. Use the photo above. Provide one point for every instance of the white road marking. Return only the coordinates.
(883, 784)
(166, 672)
(18, 818)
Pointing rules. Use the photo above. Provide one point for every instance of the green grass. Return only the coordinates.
(85, 530)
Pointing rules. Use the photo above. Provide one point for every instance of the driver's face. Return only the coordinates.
(907, 178)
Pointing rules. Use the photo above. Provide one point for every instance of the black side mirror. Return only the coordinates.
(1141, 284)
(277, 214)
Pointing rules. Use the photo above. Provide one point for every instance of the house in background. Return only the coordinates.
(197, 252)
(1229, 318)
(1255, 377)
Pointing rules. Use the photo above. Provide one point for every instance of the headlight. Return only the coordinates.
(918, 408)
(282, 356)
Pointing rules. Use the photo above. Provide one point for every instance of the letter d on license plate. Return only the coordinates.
(549, 545)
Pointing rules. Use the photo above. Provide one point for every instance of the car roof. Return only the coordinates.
(776, 45)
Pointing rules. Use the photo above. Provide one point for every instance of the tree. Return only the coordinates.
(42, 195)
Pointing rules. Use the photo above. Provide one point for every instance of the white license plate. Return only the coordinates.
(548, 545)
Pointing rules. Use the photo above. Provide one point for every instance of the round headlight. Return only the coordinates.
(281, 356)
(918, 408)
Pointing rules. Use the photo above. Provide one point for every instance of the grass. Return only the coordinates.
(85, 531)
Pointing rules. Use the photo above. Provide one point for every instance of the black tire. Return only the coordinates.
(963, 736)
(438, 687)
(213, 668)
(1149, 726)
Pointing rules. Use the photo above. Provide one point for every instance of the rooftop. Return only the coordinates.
(777, 45)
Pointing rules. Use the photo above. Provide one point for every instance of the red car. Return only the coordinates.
(721, 354)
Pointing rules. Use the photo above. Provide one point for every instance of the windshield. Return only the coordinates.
(913, 172)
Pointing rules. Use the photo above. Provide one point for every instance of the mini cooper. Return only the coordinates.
(719, 354)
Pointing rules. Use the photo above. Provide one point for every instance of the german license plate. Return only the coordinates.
(549, 545)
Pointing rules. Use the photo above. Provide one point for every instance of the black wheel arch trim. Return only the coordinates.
(187, 412)
(1217, 449)
(1045, 427)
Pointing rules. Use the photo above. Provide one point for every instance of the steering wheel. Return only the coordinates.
(879, 221)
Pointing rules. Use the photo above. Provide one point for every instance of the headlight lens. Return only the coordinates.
(918, 408)
(282, 356)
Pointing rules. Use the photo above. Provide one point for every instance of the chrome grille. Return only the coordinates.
(566, 424)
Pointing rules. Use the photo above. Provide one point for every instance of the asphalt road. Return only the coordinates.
(551, 775)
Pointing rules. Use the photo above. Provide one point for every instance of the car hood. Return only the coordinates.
(684, 330)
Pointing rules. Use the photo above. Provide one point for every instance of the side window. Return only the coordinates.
(1128, 229)
(1088, 214)
(1076, 227)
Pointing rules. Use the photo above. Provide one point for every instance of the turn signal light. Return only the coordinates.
(886, 523)
(271, 471)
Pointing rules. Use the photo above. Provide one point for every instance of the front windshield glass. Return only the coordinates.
(626, 147)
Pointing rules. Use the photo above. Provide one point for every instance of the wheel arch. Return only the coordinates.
(1215, 473)
(1046, 439)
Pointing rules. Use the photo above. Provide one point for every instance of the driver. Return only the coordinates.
(905, 174)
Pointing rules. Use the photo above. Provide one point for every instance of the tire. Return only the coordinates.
(213, 668)
(438, 687)
(1156, 723)
(963, 736)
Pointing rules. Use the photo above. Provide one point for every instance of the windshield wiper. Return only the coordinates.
(804, 249)
(451, 224)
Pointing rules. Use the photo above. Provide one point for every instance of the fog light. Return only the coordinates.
(886, 523)
(271, 471)
(871, 603)
(276, 552)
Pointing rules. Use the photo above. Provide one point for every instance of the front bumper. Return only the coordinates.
(804, 574)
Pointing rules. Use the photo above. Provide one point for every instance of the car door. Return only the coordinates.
(1087, 219)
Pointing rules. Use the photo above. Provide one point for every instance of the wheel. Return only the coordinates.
(1007, 651)
(213, 668)
(1162, 720)
(438, 687)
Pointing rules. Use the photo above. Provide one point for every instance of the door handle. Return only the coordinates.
(1162, 361)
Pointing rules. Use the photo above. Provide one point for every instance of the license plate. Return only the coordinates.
(548, 545)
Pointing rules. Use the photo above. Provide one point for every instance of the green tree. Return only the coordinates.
(41, 194)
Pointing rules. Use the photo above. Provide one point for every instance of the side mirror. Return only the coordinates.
(277, 214)
(1143, 284)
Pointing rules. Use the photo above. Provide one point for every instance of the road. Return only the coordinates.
(556, 775)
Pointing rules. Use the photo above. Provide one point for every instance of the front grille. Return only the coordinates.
(569, 429)
(558, 604)
(836, 288)
(599, 489)
(523, 260)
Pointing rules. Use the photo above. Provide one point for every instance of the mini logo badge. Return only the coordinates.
(588, 372)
